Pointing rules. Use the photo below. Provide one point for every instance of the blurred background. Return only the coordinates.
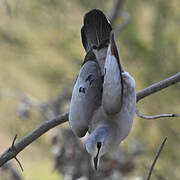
(40, 56)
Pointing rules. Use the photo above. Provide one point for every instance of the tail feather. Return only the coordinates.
(96, 30)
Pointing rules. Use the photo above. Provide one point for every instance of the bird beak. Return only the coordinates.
(96, 159)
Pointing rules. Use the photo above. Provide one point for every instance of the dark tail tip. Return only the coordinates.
(96, 29)
(94, 13)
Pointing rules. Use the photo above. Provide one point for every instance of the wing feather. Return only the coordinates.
(86, 96)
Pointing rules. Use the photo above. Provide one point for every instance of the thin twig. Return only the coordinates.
(15, 137)
(155, 172)
(19, 163)
(156, 158)
(155, 116)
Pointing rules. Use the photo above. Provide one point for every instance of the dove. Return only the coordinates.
(103, 100)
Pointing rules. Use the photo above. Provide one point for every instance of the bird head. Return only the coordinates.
(97, 145)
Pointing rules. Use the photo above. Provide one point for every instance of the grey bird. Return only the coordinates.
(104, 97)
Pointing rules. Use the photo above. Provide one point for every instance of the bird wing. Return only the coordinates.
(113, 82)
(86, 95)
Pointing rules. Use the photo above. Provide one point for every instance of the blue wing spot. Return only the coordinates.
(82, 90)
(90, 79)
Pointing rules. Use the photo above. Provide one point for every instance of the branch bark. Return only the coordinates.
(28, 139)
(158, 86)
(47, 125)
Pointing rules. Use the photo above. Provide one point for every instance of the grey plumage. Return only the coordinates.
(86, 96)
(104, 97)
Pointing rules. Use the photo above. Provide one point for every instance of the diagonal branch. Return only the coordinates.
(44, 127)
(158, 86)
(28, 139)
(126, 17)
(13, 150)
(117, 11)
(156, 158)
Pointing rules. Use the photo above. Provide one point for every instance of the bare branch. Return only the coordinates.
(155, 116)
(115, 10)
(155, 172)
(47, 125)
(156, 158)
(158, 86)
(126, 19)
(28, 139)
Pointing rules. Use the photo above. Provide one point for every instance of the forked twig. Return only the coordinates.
(13, 150)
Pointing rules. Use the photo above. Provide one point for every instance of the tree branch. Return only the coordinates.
(158, 86)
(28, 139)
(115, 10)
(155, 116)
(47, 125)
(155, 159)
(153, 89)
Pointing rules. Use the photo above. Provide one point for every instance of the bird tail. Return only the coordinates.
(96, 30)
